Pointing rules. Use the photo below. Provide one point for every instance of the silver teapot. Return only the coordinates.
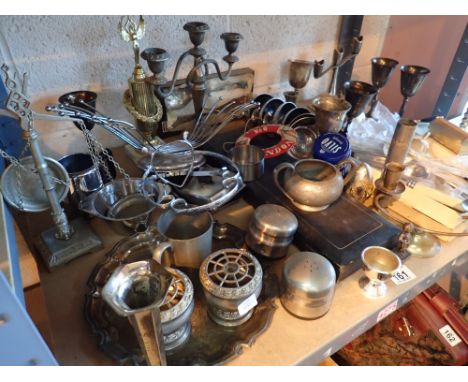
(312, 184)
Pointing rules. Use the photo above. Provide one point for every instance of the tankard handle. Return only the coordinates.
(163, 249)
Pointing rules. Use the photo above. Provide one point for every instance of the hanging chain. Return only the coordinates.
(95, 147)
(16, 163)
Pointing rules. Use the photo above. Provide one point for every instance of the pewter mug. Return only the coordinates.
(190, 235)
(312, 184)
(330, 113)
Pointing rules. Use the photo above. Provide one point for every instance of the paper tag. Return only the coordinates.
(450, 335)
(389, 309)
(247, 304)
(403, 275)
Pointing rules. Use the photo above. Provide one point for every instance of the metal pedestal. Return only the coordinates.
(56, 252)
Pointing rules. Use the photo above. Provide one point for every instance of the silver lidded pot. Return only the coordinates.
(232, 282)
(307, 285)
(271, 230)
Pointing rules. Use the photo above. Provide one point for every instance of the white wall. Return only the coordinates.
(65, 53)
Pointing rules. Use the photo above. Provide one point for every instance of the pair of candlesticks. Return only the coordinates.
(360, 94)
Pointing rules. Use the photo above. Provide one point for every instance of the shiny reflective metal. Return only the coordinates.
(176, 312)
(312, 184)
(338, 60)
(299, 74)
(268, 110)
(230, 277)
(359, 94)
(382, 69)
(379, 264)
(127, 201)
(85, 176)
(137, 290)
(250, 160)
(196, 78)
(401, 141)
(330, 113)
(271, 230)
(29, 194)
(362, 185)
(412, 78)
(84, 99)
(392, 175)
(190, 235)
(305, 138)
(229, 185)
(307, 285)
(281, 112)
(424, 244)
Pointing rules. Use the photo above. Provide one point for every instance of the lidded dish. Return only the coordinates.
(232, 282)
(308, 285)
(271, 230)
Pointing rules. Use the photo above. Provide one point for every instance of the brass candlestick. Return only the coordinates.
(140, 99)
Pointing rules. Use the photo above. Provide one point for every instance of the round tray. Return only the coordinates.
(209, 344)
(33, 197)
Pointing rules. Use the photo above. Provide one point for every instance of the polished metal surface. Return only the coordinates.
(22, 187)
(308, 285)
(424, 244)
(412, 78)
(299, 74)
(250, 160)
(229, 277)
(115, 337)
(176, 311)
(401, 141)
(379, 264)
(137, 291)
(391, 175)
(306, 136)
(339, 59)
(196, 78)
(190, 235)
(231, 182)
(330, 113)
(312, 184)
(128, 201)
(271, 230)
(362, 185)
(382, 69)
(84, 99)
(359, 94)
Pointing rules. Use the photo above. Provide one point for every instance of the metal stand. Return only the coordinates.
(56, 252)
(66, 240)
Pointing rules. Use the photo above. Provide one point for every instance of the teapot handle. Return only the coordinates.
(276, 172)
(350, 175)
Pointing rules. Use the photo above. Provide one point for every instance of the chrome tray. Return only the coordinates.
(209, 344)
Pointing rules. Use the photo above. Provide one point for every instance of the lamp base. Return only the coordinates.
(57, 252)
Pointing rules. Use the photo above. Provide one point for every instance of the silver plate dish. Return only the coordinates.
(24, 191)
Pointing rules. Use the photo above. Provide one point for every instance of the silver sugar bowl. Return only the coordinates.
(271, 230)
(307, 285)
(232, 282)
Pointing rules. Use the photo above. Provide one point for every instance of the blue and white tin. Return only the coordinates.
(332, 148)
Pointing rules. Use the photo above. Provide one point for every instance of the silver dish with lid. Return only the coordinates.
(271, 230)
(307, 285)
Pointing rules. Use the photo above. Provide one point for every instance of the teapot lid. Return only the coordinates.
(332, 148)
